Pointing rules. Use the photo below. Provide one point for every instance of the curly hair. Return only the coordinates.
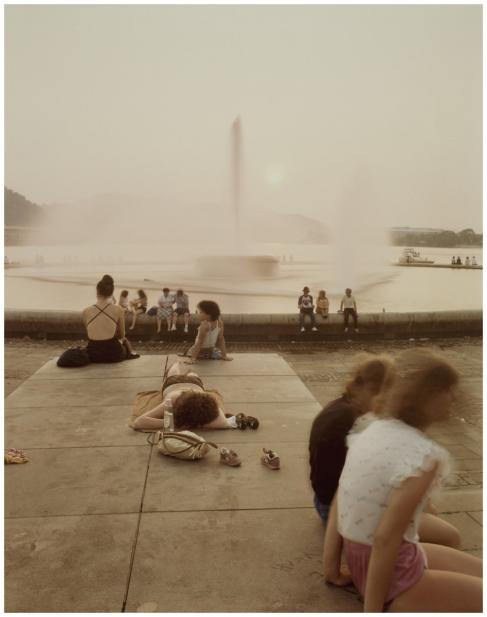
(421, 375)
(194, 409)
(210, 308)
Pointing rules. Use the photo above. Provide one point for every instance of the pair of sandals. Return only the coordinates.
(270, 458)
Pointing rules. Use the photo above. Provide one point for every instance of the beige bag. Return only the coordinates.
(181, 444)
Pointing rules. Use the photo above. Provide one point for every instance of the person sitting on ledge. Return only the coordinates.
(123, 301)
(182, 308)
(305, 306)
(349, 307)
(138, 306)
(210, 340)
(105, 327)
(459, 261)
(474, 261)
(192, 406)
(467, 261)
(322, 305)
(453, 260)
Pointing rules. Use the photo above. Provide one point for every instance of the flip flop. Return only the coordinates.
(229, 457)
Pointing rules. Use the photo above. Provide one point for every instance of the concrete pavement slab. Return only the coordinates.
(153, 366)
(145, 366)
(67, 394)
(241, 365)
(461, 500)
(208, 485)
(279, 422)
(68, 564)
(477, 516)
(78, 426)
(64, 481)
(470, 530)
(238, 561)
(122, 391)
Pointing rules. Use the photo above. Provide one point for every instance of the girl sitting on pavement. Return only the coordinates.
(105, 327)
(192, 405)
(391, 470)
(210, 341)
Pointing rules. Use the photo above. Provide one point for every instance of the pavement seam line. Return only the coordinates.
(137, 527)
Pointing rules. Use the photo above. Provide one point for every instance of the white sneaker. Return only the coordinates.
(173, 327)
(346, 329)
(356, 329)
(314, 329)
(302, 329)
(186, 328)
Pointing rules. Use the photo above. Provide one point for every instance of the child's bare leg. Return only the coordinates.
(158, 324)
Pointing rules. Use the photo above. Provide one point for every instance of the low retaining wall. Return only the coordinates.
(255, 327)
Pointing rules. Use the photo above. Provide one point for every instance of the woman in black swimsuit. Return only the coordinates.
(105, 327)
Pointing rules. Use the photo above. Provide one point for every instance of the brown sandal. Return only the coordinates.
(270, 459)
(229, 457)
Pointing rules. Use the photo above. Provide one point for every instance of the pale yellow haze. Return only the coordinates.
(140, 100)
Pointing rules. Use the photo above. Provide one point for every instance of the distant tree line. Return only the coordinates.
(19, 211)
(440, 238)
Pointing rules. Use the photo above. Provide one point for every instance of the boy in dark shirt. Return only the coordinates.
(306, 307)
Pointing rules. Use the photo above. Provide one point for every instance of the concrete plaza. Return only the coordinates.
(99, 521)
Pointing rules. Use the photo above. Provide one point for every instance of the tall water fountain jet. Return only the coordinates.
(238, 265)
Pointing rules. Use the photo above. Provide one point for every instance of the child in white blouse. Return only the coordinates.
(391, 470)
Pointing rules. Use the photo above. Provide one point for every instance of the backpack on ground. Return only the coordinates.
(74, 357)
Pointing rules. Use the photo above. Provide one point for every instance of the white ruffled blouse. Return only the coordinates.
(379, 459)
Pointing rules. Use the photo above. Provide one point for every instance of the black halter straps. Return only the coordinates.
(101, 312)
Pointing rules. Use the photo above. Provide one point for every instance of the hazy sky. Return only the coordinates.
(140, 100)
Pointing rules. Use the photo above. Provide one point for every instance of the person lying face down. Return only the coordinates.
(192, 406)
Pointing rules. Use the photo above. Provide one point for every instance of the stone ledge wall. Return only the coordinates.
(272, 327)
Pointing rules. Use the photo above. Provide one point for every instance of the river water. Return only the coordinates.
(67, 277)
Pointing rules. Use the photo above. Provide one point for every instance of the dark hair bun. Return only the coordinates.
(105, 287)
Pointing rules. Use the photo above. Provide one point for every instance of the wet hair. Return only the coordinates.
(348, 289)
(322, 294)
(165, 289)
(124, 293)
(105, 287)
(210, 308)
(142, 293)
(376, 373)
(180, 292)
(421, 375)
(194, 409)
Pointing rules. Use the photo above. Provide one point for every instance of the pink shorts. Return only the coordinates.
(410, 565)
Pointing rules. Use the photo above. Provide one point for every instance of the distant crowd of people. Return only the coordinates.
(169, 307)
(458, 261)
(307, 308)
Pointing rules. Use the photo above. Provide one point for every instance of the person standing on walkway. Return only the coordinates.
(391, 471)
(349, 307)
(306, 307)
